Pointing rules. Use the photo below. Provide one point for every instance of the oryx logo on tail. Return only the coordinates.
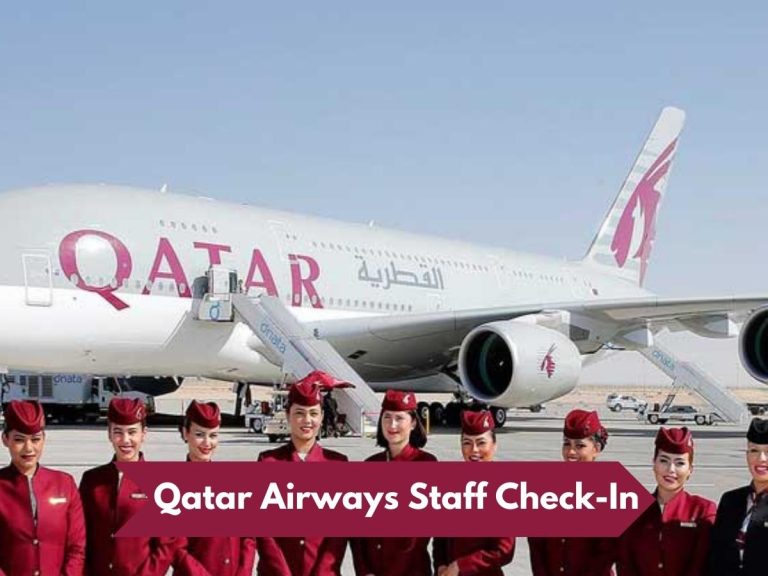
(644, 203)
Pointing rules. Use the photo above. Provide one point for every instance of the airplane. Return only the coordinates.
(100, 279)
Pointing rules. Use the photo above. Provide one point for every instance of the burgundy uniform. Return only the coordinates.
(672, 542)
(474, 556)
(572, 556)
(109, 500)
(55, 543)
(301, 556)
(394, 556)
(216, 556)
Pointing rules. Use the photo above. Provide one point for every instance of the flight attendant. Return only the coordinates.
(584, 438)
(740, 536)
(671, 538)
(224, 556)
(41, 518)
(402, 435)
(477, 556)
(110, 498)
(302, 556)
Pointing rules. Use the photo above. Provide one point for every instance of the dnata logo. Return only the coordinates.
(273, 337)
(644, 202)
(548, 363)
(67, 379)
(664, 359)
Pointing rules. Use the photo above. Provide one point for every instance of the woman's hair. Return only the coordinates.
(417, 438)
(600, 438)
(690, 455)
(186, 424)
(492, 431)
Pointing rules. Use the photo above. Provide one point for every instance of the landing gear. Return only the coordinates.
(499, 416)
(450, 414)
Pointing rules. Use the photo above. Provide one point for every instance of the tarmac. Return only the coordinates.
(719, 461)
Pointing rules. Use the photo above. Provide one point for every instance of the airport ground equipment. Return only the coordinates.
(70, 397)
(292, 346)
(287, 342)
(688, 375)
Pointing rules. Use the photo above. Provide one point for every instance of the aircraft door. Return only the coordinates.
(436, 303)
(38, 287)
(502, 276)
(282, 238)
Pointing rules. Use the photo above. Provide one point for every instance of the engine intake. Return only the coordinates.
(512, 364)
(753, 345)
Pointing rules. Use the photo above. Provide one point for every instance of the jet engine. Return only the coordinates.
(512, 364)
(753, 345)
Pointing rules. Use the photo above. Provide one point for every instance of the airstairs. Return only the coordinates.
(287, 342)
(688, 375)
(291, 345)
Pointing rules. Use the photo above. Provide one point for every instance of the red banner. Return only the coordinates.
(384, 499)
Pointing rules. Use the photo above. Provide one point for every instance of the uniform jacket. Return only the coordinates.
(224, 556)
(724, 554)
(394, 556)
(56, 544)
(107, 509)
(572, 556)
(474, 556)
(301, 556)
(674, 542)
(215, 556)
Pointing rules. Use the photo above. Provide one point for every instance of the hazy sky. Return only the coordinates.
(506, 123)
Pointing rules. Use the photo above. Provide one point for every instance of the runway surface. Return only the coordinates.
(719, 460)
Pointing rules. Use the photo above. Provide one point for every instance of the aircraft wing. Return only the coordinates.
(416, 343)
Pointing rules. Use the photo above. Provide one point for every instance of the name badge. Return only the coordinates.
(688, 524)
(139, 496)
(56, 501)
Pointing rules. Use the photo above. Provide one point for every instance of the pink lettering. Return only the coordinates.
(165, 252)
(214, 251)
(258, 264)
(299, 283)
(68, 260)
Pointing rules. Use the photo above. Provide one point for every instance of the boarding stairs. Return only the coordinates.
(289, 344)
(688, 375)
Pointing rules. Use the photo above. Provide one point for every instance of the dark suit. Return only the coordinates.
(724, 553)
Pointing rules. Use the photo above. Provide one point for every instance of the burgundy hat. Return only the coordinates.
(581, 424)
(399, 401)
(758, 431)
(205, 414)
(675, 440)
(25, 416)
(324, 380)
(476, 423)
(304, 393)
(126, 411)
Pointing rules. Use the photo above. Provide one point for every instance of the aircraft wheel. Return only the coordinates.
(499, 416)
(436, 414)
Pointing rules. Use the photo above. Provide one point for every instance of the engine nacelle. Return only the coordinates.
(512, 364)
(753, 345)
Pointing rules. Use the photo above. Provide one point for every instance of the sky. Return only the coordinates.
(511, 124)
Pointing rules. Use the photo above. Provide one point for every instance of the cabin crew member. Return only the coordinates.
(476, 556)
(740, 536)
(220, 555)
(584, 438)
(41, 518)
(110, 498)
(302, 556)
(402, 436)
(671, 538)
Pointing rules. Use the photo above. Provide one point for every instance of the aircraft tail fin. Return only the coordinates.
(625, 239)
